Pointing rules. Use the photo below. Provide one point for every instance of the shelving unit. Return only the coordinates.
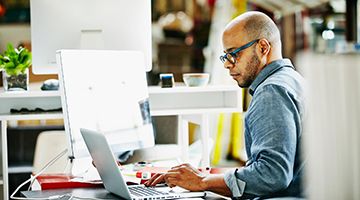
(34, 98)
(189, 103)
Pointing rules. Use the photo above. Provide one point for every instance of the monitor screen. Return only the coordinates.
(88, 24)
(105, 91)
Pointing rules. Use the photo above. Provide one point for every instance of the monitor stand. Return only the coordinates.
(92, 39)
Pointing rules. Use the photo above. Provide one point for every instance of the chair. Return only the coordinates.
(48, 145)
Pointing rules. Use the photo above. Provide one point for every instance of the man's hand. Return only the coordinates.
(183, 175)
(154, 180)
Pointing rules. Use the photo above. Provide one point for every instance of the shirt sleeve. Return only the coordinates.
(236, 186)
(272, 123)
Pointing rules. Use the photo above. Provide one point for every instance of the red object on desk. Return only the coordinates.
(56, 181)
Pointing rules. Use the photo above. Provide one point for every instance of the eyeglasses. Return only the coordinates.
(231, 56)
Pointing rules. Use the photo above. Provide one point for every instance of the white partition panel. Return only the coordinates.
(332, 136)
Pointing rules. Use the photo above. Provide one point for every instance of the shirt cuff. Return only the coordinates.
(236, 185)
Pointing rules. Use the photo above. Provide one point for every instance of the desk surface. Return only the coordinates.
(99, 193)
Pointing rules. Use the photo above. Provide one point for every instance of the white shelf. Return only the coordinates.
(20, 169)
(41, 116)
(194, 100)
(167, 112)
(152, 90)
(163, 101)
(185, 89)
(29, 94)
(34, 98)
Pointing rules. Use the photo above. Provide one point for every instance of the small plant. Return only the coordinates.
(15, 61)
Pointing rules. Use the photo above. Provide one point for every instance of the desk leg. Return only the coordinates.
(183, 138)
(4, 159)
(203, 121)
(205, 135)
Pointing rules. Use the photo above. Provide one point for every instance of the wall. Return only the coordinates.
(14, 34)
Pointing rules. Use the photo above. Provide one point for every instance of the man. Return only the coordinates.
(273, 123)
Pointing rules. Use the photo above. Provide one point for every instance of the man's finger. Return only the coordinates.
(152, 179)
(158, 180)
(172, 173)
(173, 170)
(175, 167)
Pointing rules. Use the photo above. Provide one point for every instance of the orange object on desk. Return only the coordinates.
(56, 181)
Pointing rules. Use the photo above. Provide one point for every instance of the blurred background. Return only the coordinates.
(320, 36)
(185, 33)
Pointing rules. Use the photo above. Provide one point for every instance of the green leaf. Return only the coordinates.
(20, 66)
(15, 60)
(1, 61)
(11, 72)
(9, 65)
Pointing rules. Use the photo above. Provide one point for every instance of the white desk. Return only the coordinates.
(189, 103)
(99, 193)
(194, 104)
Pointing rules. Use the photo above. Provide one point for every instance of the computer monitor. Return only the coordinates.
(105, 91)
(88, 24)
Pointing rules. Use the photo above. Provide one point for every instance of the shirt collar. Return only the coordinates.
(267, 71)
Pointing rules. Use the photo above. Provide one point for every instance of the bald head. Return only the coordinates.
(251, 41)
(253, 25)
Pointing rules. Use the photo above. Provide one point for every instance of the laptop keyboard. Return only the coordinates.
(145, 191)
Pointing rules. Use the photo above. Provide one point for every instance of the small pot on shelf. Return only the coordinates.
(19, 82)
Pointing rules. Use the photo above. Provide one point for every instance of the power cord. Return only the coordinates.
(65, 170)
(31, 179)
(53, 197)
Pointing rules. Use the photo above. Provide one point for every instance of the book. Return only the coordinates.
(57, 181)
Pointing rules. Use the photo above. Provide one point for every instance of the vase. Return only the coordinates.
(18, 82)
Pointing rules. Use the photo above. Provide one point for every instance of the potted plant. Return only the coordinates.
(15, 63)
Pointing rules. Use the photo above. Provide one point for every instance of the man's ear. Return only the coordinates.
(264, 46)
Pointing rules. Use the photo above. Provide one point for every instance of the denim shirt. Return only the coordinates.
(273, 129)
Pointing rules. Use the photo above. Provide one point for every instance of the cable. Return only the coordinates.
(87, 198)
(53, 197)
(65, 169)
(31, 179)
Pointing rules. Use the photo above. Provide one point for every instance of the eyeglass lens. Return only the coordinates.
(230, 58)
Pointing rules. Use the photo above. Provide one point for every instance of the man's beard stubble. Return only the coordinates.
(251, 71)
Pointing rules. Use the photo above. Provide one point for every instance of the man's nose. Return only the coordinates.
(228, 65)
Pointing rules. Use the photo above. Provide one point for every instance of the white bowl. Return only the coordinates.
(196, 79)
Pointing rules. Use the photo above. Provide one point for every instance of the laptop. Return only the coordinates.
(112, 178)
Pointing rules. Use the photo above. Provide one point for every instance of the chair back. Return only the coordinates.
(48, 145)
